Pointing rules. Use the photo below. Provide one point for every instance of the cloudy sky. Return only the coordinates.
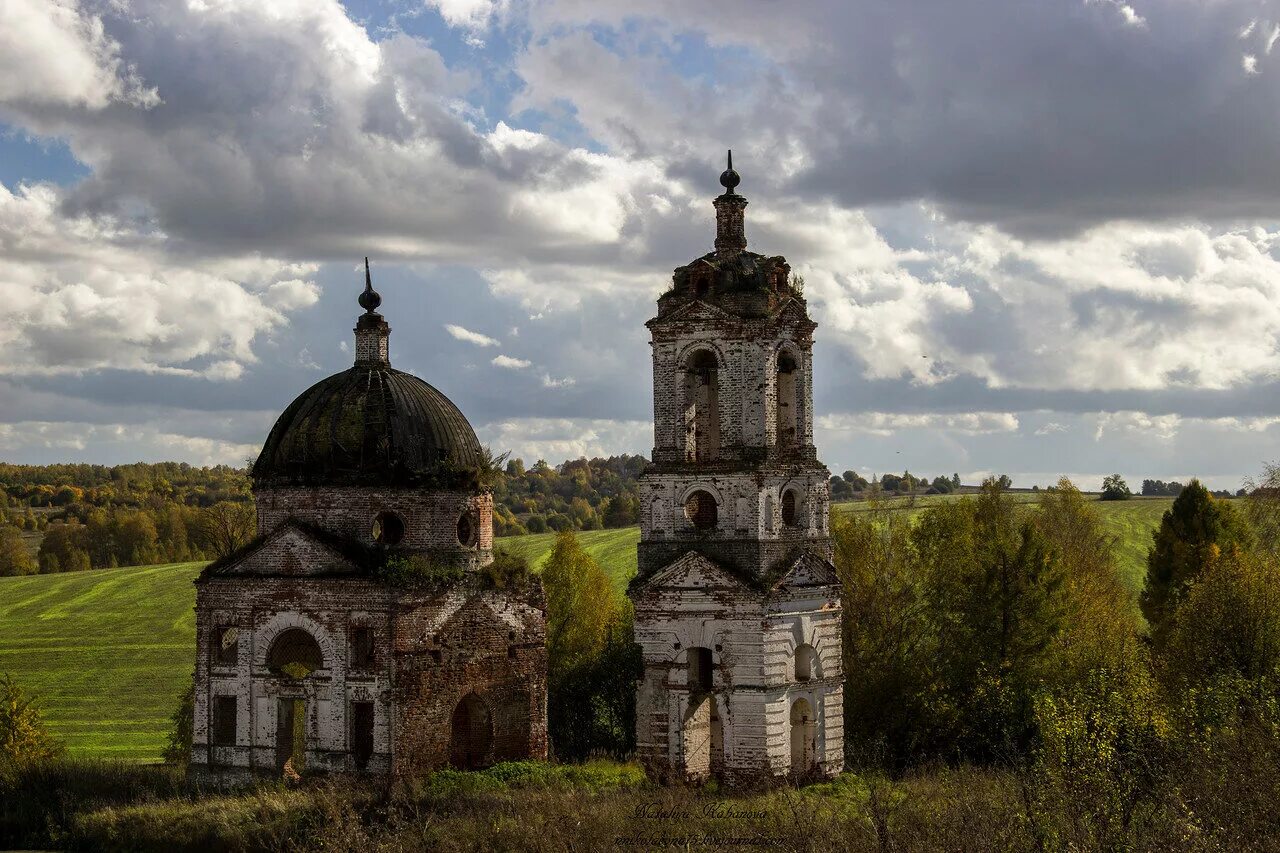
(1040, 238)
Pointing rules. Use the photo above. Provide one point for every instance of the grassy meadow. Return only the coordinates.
(108, 651)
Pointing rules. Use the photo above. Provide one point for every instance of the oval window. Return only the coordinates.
(466, 530)
(388, 528)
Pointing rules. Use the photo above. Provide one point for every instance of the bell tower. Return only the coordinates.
(737, 604)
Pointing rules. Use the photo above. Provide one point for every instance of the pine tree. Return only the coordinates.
(1192, 533)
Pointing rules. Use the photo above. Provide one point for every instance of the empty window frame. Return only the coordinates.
(224, 721)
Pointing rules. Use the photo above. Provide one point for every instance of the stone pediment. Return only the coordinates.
(692, 312)
(291, 550)
(808, 570)
(693, 571)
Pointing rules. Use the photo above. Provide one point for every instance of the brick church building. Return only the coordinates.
(737, 607)
(357, 631)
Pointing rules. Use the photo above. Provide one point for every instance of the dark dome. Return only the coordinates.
(370, 426)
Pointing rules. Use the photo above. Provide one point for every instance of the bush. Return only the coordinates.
(24, 738)
(507, 571)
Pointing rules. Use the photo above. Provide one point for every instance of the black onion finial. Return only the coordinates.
(729, 178)
(370, 299)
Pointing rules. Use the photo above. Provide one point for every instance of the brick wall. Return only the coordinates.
(430, 517)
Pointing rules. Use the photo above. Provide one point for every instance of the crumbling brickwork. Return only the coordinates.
(746, 583)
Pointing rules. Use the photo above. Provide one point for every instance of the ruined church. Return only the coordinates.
(321, 645)
(359, 631)
(737, 606)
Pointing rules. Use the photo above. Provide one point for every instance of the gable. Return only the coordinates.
(808, 570)
(693, 571)
(487, 619)
(290, 550)
(691, 312)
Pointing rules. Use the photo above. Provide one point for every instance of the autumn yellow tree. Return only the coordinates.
(580, 605)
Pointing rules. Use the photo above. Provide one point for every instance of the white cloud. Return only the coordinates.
(549, 381)
(55, 52)
(87, 293)
(888, 423)
(153, 441)
(468, 14)
(510, 363)
(1051, 428)
(469, 336)
(557, 439)
(1140, 424)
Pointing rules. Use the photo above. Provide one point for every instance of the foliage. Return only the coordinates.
(14, 557)
(178, 750)
(1100, 622)
(1102, 743)
(591, 708)
(993, 587)
(1114, 488)
(1193, 532)
(580, 605)
(1262, 508)
(888, 637)
(592, 663)
(422, 571)
(1227, 624)
(24, 738)
(225, 527)
(581, 494)
(1159, 488)
(507, 571)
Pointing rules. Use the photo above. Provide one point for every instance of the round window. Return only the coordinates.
(388, 528)
(700, 509)
(466, 530)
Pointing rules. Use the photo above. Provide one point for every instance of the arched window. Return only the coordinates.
(295, 653)
(789, 509)
(806, 663)
(786, 413)
(700, 509)
(388, 528)
(701, 407)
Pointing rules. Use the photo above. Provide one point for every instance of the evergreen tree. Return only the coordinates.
(1192, 533)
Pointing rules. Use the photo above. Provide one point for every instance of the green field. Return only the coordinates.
(614, 550)
(108, 651)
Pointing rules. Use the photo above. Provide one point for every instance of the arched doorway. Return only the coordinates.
(804, 737)
(293, 656)
(471, 737)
